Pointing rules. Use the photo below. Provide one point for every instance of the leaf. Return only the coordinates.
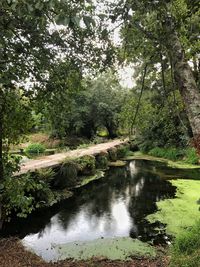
(76, 21)
(89, 21)
(62, 20)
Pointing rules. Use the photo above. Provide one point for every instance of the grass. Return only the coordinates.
(186, 248)
(188, 155)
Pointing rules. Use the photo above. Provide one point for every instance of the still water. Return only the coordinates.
(115, 206)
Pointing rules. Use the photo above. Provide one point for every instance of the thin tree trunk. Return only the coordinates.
(185, 79)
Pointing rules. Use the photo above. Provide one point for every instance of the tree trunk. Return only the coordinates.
(1, 157)
(185, 80)
(1, 149)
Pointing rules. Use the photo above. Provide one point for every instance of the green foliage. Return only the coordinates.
(112, 154)
(168, 153)
(67, 175)
(90, 106)
(24, 194)
(35, 148)
(86, 164)
(156, 123)
(191, 156)
(186, 248)
(102, 160)
(122, 151)
(46, 175)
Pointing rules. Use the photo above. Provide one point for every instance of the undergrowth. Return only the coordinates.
(188, 155)
(186, 249)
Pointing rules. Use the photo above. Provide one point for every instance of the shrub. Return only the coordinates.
(122, 151)
(35, 148)
(46, 175)
(186, 249)
(102, 160)
(112, 154)
(191, 156)
(67, 175)
(86, 164)
(24, 194)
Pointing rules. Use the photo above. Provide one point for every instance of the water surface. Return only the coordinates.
(115, 206)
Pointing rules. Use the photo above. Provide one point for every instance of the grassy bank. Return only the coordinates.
(186, 249)
(182, 218)
(179, 164)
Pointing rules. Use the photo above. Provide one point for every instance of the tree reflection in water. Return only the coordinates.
(113, 206)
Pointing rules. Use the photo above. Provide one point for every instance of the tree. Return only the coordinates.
(164, 30)
(84, 107)
(35, 37)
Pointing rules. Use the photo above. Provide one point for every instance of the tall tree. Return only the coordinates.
(168, 28)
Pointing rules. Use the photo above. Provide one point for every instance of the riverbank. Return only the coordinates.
(14, 254)
(173, 164)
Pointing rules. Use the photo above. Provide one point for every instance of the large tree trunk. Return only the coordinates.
(185, 79)
(1, 157)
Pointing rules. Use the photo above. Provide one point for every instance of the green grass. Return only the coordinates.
(191, 156)
(168, 153)
(188, 155)
(186, 248)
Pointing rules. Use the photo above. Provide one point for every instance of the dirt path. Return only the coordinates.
(53, 160)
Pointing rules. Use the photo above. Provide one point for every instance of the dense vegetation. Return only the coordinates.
(59, 75)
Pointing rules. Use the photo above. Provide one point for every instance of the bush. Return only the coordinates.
(191, 156)
(112, 154)
(86, 164)
(35, 148)
(46, 175)
(24, 194)
(67, 175)
(122, 151)
(186, 249)
(102, 160)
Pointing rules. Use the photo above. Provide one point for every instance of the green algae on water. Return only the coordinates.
(181, 212)
(122, 248)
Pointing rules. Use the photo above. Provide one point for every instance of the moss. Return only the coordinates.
(86, 165)
(179, 213)
(87, 179)
(60, 195)
(112, 154)
(118, 163)
(122, 248)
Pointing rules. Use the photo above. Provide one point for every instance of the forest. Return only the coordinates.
(100, 133)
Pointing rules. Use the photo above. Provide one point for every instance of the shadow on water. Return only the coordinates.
(111, 207)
